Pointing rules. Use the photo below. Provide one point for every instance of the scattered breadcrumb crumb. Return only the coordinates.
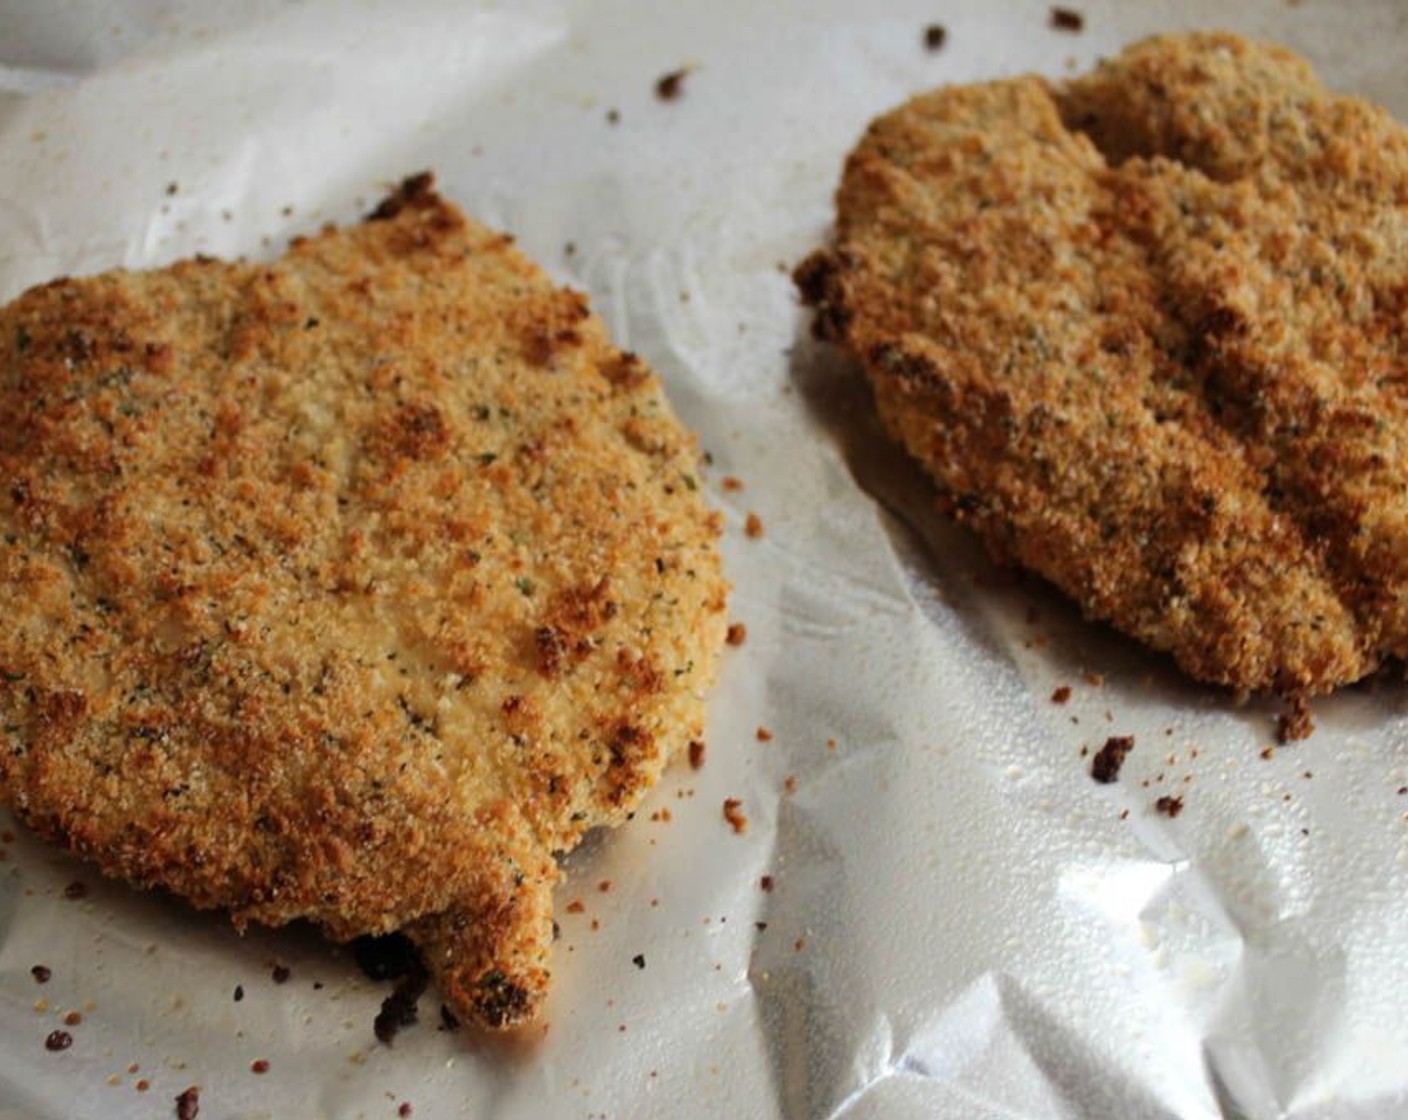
(1105, 767)
(753, 526)
(764, 735)
(696, 753)
(737, 634)
(670, 86)
(733, 813)
(1067, 19)
(1169, 806)
(1061, 695)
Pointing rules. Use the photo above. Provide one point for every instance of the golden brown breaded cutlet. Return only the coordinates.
(1148, 332)
(351, 587)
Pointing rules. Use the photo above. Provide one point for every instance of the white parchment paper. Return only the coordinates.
(960, 922)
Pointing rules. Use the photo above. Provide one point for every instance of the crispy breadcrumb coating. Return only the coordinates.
(351, 587)
(1146, 330)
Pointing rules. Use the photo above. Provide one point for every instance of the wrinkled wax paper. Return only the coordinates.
(960, 922)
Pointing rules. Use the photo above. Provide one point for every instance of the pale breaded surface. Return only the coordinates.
(1165, 375)
(351, 587)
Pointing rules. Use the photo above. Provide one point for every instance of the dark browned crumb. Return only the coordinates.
(639, 961)
(73, 1018)
(670, 86)
(1067, 19)
(41, 973)
(399, 1009)
(733, 813)
(188, 1104)
(732, 484)
(1061, 695)
(1105, 766)
(405, 1110)
(280, 974)
(934, 36)
(576, 906)
(259, 1065)
(753, 526)
(737, 634)
(696, 753)
(1169, 806)
(142, 1085)
(1294, 723)
(239, 992)
(765, 883)
(764, 735)
(58, 1040)
(604, 886)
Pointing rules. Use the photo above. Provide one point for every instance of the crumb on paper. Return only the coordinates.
(733, 813)
(1061, 695)
(188, 1103)
(1105, 767)
(259, 1065)
(730, 482)
(737, 634)
(934, 36)
(669, 87)
(639, 961)
(766, 883)
(1169, 806)
(1094, 680)
(41, 973)
(696, 753)
(753, 526)
(1067, 19)
(613, 116)
(576, 906)
(764, 735)
(58, 1040)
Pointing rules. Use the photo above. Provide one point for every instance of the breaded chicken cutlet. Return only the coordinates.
(1148, 331)
(352, 587)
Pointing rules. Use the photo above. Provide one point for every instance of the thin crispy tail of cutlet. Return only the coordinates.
(1003, 289)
